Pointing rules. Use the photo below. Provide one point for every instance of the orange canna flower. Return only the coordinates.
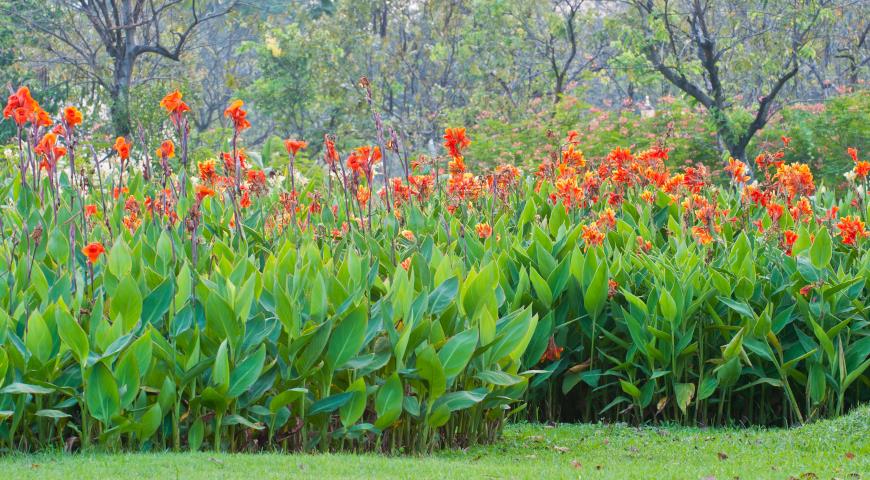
(41, 117)
(329, 155)
(166, 150)
(202, 191)
(644, 245)
(116, 192)
(702, 235)
(207, 171)
(122, 146)
(851, 229)
(796, 179)
(90, 210)
(72, 116)
(363, 158)
(408, 235)
(93, 251)
(483, 230)
(737, 169)
(862, 169)
(21, 106)
(293, 146)
(592, 236)
(173, 104)
(853, 152)
(238, 115)
(406, 263)
(363, 194)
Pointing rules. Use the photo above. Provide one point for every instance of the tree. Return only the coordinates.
(82, 33)
(694, 45)
(562, 32)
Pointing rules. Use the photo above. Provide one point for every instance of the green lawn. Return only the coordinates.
(830, 449)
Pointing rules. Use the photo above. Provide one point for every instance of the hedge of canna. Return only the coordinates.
(150, 303)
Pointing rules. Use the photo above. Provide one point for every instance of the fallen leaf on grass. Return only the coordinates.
(722, 456)
(576, 463)
(850, 455)
(215, 460)
(561, 449)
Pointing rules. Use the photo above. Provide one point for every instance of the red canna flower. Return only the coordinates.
(553, 351)
(862, 169)
(293, 146)
(853, 153)
(166, 150)
(408, 235)
(455, 141)
(788, 239)
(806, 289)
(93, 251)
(785, 140)
(238, 115)
(256, 181)
(72, 116)
(90, 210)
(245, 201)
(406, 263)
(122, 146)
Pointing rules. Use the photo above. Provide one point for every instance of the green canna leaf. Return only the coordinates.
(246, 373)
(348, 338)
(101, 394)
(220, 374)
(72, 335)
(388, 403)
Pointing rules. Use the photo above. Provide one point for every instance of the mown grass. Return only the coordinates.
(837, 448)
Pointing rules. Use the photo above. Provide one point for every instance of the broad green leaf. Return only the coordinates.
(348, 338)
(102, 395)
(246, 373)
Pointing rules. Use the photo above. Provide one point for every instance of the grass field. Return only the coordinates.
(830, 449)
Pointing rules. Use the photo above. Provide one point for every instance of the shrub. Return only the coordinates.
(213, 305)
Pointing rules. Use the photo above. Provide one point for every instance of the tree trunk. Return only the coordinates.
(120, 94)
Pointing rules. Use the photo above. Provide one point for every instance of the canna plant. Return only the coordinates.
(154, 303)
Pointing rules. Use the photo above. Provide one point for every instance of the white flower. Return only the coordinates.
(850, 175)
